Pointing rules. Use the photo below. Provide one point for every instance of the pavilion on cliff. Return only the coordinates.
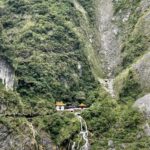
(60, 106)
(82, 106)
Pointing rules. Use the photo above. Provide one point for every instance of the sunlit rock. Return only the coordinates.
(6, 74)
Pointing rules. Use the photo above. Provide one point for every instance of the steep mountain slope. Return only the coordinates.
(42, 60)
(39, 36)
(94, 52)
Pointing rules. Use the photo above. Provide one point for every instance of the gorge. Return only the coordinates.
(92, 52)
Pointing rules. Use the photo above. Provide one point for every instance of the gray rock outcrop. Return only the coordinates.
(109, 47)
(24, 138)
(6, 74)
(142, 68)
(143, 104)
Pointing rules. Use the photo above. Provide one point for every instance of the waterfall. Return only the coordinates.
(73, 146)
(83, 133)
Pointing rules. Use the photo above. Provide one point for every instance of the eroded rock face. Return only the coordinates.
(23, 138)
(142, 68)
(109, 47)
(3, 108)
(144, 5)
(45, 142)
(6, 74)
(9, 141)
(143, 104)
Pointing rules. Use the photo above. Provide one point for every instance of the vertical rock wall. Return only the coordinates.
(6, 74)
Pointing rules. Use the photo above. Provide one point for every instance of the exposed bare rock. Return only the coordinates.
(6, 74)
(109, 47)
(142, 69)
(147, 129)
(144, 4)
(111, 144)
(23, 137)
(143, 104)
(9, 140)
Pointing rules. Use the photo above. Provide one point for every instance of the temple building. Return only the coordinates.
(60, 106)
(82, 106)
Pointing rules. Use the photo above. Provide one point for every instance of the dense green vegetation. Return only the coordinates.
(134, 39)
(125, 4)
(89, 6)
(134, 48)
(38, 39)
(131, 88)
(13, 105)
(120, 123)
(63, 128)
(43, 41)
(11, 102)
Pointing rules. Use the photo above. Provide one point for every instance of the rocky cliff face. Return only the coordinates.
(18, 129)
(123, 34)
(143, 72)
(6, 74)
(134, 34)
(109, 49)
(94, 52)
(23, 136)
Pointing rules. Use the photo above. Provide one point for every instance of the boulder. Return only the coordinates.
(143, 104)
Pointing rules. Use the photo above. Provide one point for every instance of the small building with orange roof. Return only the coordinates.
(82, 106)
(60, 106)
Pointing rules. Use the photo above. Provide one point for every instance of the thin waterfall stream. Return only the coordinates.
(83, 133)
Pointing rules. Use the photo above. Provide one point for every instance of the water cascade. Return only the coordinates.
(83, 133)
(73, 146)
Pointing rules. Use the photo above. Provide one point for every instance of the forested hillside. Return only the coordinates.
(94, 52)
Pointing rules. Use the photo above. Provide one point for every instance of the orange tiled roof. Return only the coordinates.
(82, 105)
(60, 104)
